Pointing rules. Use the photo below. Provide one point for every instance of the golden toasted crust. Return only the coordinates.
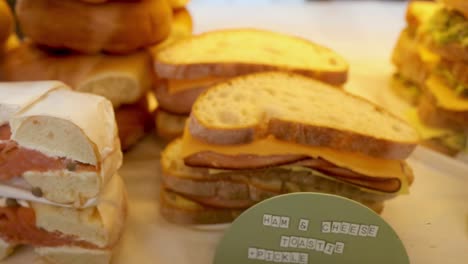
(92, 28)
(199, 214)
(334, 71)
(202, 215)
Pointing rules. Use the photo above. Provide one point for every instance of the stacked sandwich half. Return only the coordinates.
(432, 63)
(59, 187)
(190, 66)
(99, 47)
(272, 133)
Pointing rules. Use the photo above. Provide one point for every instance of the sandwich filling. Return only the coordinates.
(16, 160)
(460, 88)
(447, 26)
(387, 176)
(18, 227)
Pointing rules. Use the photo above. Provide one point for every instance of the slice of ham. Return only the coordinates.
(209, 159)
(18, 227)
(16, 160)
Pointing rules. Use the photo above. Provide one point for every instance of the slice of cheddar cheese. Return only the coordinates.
(374, 167)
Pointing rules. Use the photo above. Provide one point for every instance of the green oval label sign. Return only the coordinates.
(310, 228)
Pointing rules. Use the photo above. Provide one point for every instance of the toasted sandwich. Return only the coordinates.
(59, 187)
(413, 60)
(441, 117)
(190, 66)
(433, 70)
(270, 133)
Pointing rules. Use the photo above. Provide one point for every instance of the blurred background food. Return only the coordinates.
(95, 49)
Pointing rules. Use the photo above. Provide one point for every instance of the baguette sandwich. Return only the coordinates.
(59, 145)
(61, 234)
(59, 191)
(124, 80)
(115, 27)
(271, 133)
(190, 66)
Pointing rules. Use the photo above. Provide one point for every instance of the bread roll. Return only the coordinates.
(133, 121)
(121, 79)
(114, 27)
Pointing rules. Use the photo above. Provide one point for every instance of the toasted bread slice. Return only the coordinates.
(179, 209)
(180, 102)
(227, 53)
(169, 126)
(297, 109)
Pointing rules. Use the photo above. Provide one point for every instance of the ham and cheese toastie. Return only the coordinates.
(59, 155)
(190, 66)
(271, 133)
